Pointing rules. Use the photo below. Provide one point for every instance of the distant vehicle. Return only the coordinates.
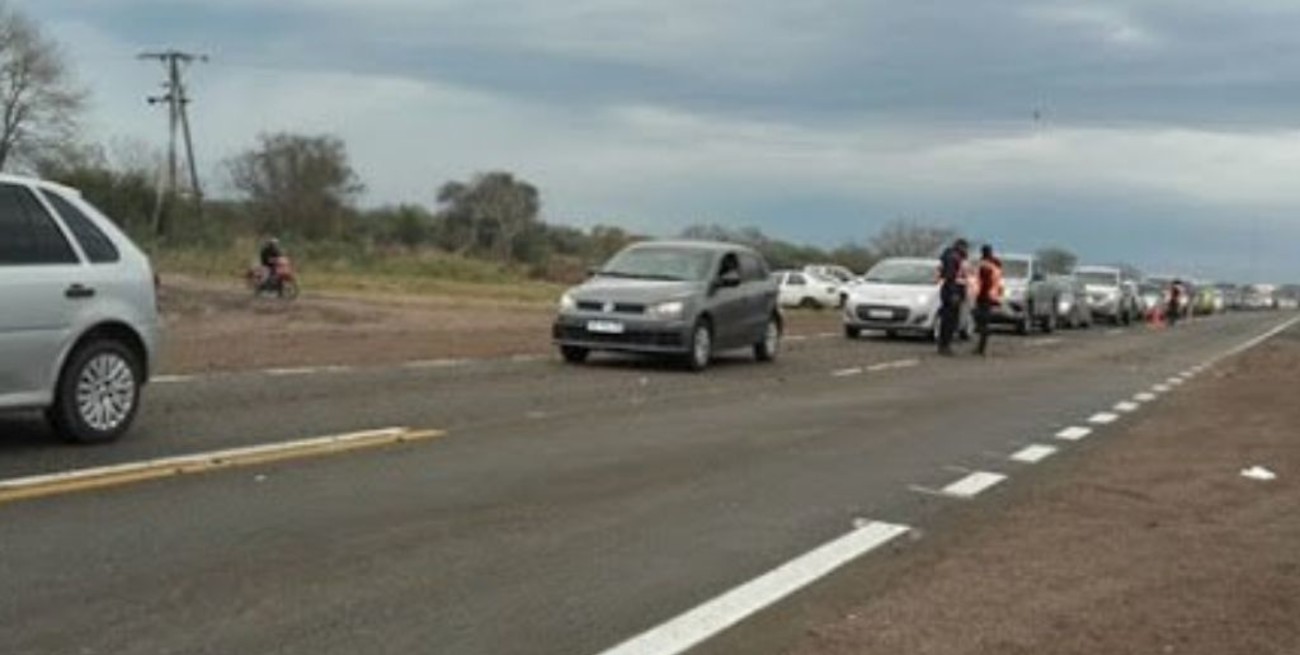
(1259, 297)
(284, 284)
(899, 296)
(1209, 301)
(808, 290)
(1153, 299)
(79, 330)
(1166, 282)
(1288, 303)
(679, 298)
(1030, 300)
(839, 274)
(1110, 297)
(1073, 310)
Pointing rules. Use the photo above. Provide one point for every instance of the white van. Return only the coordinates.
(79, 320)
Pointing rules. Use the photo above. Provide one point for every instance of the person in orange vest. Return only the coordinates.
(988, 295)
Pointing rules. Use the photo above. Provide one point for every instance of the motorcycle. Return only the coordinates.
(283, 283)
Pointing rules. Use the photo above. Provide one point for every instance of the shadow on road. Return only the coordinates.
(25, 433)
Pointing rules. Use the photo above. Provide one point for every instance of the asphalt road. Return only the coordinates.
(567, 509)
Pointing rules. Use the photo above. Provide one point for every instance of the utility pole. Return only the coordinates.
(177, 100)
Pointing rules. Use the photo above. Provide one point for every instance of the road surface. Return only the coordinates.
(567, 509)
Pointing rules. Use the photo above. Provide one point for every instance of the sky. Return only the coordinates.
(1162, 133)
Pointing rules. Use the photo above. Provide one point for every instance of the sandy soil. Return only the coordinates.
(214, 327)
(1152, 544)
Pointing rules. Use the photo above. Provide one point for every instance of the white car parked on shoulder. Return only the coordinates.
(78, 312)
(899, 296)
(808, 290)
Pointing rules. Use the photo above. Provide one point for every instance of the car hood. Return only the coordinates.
(904, 294)
(645, 292)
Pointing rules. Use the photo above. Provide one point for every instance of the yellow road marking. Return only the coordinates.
(123, 474)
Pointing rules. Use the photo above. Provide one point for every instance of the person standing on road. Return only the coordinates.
(952, 292)
(1174, 311)
(988, 296)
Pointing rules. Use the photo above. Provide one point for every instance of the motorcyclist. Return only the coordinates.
(270, 258)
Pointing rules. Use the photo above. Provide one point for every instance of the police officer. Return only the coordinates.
(988, 296)
(952, 292)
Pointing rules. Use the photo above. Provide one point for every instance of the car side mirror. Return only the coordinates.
(729, 279)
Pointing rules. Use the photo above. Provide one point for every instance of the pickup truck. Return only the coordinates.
(1030, 299)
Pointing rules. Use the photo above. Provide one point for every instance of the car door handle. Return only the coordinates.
(79, 292)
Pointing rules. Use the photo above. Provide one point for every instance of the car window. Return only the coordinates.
(729, 263)
(752, 268)
(796, 280)
(30, 235)
(98, 247)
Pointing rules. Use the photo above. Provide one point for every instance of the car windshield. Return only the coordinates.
(1015, 269)
(1099, 278)
(671, 264)
(903, 273)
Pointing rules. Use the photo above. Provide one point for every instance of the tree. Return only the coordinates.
(910, 238)
(1056, 260)
(39, 101)
(297, 183)
(487, 213)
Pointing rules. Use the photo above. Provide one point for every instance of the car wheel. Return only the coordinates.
(1050, 323)
(891, 334)
(852, 332)
(574, 354)
(810, 303)
(1026, 323)
(701, 352)
(288, 290)
(98, 393)
(767, 349)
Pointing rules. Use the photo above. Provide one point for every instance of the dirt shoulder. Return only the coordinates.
(1154, 543)
(213, 327)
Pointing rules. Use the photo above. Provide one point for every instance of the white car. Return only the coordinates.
(899, 296)
(807, 290)
(79, 326)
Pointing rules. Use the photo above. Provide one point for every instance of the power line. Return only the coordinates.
(176, 98)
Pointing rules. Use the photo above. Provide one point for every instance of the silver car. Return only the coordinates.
(79, 328)
(680, 298)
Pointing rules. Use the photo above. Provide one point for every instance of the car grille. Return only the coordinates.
(896, 314)
(629, 338)
(616, 308)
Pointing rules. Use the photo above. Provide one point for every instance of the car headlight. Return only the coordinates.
(567, 303)
(671, 310)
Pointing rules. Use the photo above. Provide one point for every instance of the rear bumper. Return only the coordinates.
(639, 336)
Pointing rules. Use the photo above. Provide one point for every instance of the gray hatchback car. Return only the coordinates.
(78, 312)
(679, 298)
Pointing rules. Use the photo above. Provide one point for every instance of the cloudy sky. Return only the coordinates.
(1160, 132)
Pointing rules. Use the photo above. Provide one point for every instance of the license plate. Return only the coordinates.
(883, 314)
(605, 327)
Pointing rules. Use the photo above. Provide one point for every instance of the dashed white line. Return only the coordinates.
(796, 337)
(172, 379)
(973, 485)
(1144, 397)
(893, 366)
(1127, 407)
(1074, 433)
(846, 372)
(694, 627)
(435, 363)
(1103, 418)
(1034, 454)
(1176, 382)
(284, 372)
(1161, 388)
(1040, 343)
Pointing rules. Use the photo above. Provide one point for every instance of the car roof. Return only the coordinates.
(25, 180)
(1096, 269)
(928, 261)
(685, 244)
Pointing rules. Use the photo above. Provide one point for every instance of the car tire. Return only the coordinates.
(891, 334)
(700, 354)
(809, 303)
(767, 349)
(851, 332)
(1026, 323)
(574, 354)
(1050, 323)
(98, 393)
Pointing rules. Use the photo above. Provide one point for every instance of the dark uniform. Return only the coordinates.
(952, 293)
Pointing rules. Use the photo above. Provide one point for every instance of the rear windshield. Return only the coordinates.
(670, 264)
(903, 273)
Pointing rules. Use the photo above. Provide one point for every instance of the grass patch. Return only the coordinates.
(347, 268)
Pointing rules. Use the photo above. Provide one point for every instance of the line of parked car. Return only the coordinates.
(690, 300)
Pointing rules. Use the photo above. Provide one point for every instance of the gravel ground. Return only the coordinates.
(1152, 543)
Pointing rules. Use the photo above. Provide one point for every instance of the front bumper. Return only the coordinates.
(876, 316)
(1104, 307)
(639, 335)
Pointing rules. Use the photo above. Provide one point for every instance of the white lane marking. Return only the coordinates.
(171, 379)
(697, 625)
(1114, 332)
(283, 372)
(1034, 454)
(1189, 373)
(1257, 340)
(1040, 343)
(436, 363)
(895, 365)
(1103, 418)
(846, 372)
(973, 484)
(1127, 407)
(1074, 433)
(1176, 382)
(1162, 388)
(796, 337)
(1144, 397)
(526, 358)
